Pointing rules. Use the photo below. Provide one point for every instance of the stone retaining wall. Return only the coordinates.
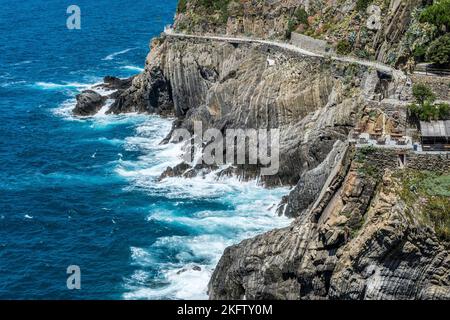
(310, 44)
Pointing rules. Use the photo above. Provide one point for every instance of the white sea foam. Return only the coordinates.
(58, 86)
(65, 109)
(133, 68)
(115, 54)
(183, 284)
(22, 63)
(185, 279)
(247, 209)
(12, 83)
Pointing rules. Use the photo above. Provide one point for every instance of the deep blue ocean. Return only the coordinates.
(83, 191)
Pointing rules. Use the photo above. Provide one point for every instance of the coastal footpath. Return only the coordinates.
(370, 223)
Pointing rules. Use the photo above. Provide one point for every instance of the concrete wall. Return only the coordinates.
(388, 158)
(429, 161)
(309, 43)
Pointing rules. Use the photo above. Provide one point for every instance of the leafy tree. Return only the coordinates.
(443, 110)
(439, 51)
(425, 109)
(423, 93)
(419, 53)
(428, 112)
(438, 14)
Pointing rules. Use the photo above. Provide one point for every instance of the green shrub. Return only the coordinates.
(419, 53)
(431, 191)
(429, 112)
(182, 4)
(290, 28)
(302, 16)
(439, 51)
(362, 5)
(423, 93)
(435, 185)
(437, 14)
(343, 47)
(443, 110)
(216, 6)
(362, 153)
(439, 215)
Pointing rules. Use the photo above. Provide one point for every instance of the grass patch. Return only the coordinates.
(343, 47)
(430, 194)
(369, 170)
(362, 153)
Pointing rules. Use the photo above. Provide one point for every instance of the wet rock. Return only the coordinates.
(115, 83)
(89, 103)
(387, 254)
(193, 268)
(177, 171)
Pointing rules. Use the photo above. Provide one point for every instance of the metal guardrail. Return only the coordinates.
(434, 71)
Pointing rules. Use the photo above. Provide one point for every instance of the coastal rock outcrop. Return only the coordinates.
(312, 101)
(368, 237)
(89, 103)
(150, 91)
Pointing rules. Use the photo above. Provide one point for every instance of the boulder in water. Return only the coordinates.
(89, 103)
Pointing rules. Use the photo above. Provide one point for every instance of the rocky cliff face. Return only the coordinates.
(358, 233)
(367, 237)
(377, 29)
(313, 101)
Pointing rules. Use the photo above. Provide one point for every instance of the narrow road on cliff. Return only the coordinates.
(287, 46)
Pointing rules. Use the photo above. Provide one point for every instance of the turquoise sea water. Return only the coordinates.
(83, 191)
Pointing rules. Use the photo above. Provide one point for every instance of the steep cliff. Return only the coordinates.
(384, 30)
(313, 101)
(363, 227)
(378, 232)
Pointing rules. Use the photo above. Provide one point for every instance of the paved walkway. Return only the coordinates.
(374, 64)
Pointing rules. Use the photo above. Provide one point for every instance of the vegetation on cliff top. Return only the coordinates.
(300, 18)
(432, 29)
(425, 108)
(439, 51)
(438, 14)
(211, 11)
(362, 5)
(429, 193)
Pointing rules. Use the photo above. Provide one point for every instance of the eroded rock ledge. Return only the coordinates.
(313, 101)
(366, 238)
